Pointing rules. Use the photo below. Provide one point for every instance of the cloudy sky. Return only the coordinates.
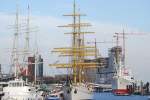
(106, 16)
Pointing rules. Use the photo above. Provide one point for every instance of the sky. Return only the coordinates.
(106, 16)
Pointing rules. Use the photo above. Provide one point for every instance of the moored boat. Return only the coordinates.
(18, 90)
(120, 84)
(122, 76)
(78, 54)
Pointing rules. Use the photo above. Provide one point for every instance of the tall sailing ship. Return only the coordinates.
(18, 89)
(77, 87)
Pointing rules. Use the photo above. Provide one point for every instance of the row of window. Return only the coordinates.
(17, 84)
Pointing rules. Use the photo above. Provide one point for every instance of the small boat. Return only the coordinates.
(18, 90)
(55, 95)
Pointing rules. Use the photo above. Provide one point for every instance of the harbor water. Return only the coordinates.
(109, 96)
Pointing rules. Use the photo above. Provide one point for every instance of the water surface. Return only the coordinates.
(109, 96)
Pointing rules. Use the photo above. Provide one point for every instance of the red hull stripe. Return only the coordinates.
(121, 91)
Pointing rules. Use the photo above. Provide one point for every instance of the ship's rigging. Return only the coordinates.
(78, 51)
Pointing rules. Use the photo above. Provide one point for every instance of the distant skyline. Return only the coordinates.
(106, 16)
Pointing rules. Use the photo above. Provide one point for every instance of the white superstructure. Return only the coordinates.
(18, 90)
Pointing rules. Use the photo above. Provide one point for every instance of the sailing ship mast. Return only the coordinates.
(78, 51)
(15, 62)
(27, 46)
(28, 30)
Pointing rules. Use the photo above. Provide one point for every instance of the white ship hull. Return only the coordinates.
(121, 81)
(79, 92)
(120, 86)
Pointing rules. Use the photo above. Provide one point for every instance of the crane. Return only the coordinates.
(95, 45)
(122, 35)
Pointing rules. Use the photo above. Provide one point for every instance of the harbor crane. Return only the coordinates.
(122, 35)
(95, 45)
